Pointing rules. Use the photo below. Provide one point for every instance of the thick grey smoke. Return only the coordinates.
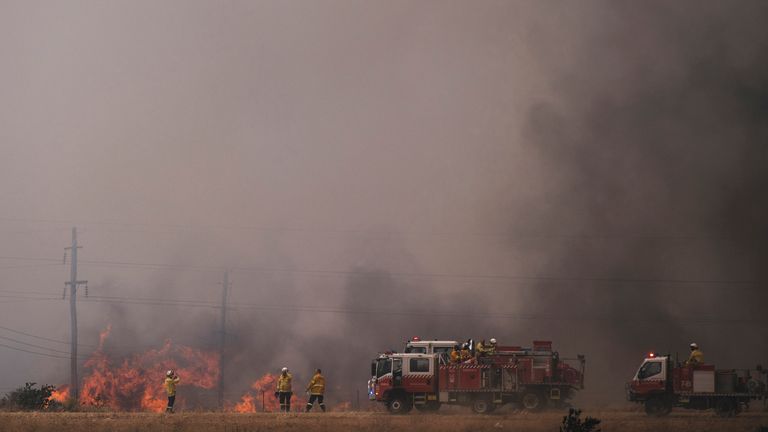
(590, 173)
(653, 157)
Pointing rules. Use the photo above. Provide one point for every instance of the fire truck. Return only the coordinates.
(422, 377)
(661, 384)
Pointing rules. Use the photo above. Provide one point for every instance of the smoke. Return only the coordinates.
(590, 173)
(653, 157)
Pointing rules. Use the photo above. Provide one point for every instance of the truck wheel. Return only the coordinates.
(398, 405)
(532, 401)
(725, 408)
(657, 407)
(482, 406)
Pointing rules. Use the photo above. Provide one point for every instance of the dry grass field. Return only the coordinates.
(613, 421)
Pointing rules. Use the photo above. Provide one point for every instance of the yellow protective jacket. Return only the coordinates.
(455, 356)
(170, 385)
(480, 349)
(317, 385)
(284, 383)
(696, 358)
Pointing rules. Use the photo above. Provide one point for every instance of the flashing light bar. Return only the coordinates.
(651, 354)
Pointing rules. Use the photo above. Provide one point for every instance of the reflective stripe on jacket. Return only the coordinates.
(696, 358)
(170, 385)
(284, 383)
(317, 385)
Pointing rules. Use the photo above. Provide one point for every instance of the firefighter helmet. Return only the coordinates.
(285, 370)
(169, 373)
(493, 341)
(694, 345)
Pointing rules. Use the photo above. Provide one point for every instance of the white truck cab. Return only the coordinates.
(652, 369)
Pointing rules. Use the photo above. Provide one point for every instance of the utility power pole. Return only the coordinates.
(223, 336)
(73, 283)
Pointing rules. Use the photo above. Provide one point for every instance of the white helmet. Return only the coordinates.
(694, 345)
(285, 369)
(169, 373)
(493, 340)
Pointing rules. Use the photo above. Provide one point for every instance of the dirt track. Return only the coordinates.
(613, 421)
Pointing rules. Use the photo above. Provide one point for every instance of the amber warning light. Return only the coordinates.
(651, 355)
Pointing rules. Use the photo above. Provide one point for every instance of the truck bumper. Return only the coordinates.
(631, 395)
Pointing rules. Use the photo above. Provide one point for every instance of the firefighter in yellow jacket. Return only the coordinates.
(696, 358)
(456, 354)
(316, 389)
(284, 391)
(171, 379)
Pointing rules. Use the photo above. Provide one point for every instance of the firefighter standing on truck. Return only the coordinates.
(316, 389)
(491, 349)
(480, 349)
(455, 354)
(171, 379)
(696, 358)
(284, 391)
(465, 353)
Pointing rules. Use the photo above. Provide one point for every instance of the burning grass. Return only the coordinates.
(619, 421)
(135, 383)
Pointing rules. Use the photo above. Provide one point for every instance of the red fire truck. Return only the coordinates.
(660, 384)
(423, 378)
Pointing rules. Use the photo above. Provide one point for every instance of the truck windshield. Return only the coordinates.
(649, 369)
(383, 366)
(418, 350)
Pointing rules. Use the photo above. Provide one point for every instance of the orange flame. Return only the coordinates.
(137, 383)
(262, 397)
(247, 404)
(60, 395)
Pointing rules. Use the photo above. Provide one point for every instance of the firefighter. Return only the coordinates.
(696, 358)
(316, 389)
(491, 349)
(455, 354)
(284, 391)
(480, 349)
(465, 353)
(171, 379)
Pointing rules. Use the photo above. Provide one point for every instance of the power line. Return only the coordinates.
(375, 233)
(18, 266)
(33, 352)
(415, 275)
(369, 311)
(45, 293)
(33, 345)
(28, 300)
(42, 337)
(110, 347)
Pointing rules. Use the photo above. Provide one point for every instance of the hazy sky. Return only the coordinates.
(409, 151)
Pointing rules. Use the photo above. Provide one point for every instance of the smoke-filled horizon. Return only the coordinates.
(589, 173)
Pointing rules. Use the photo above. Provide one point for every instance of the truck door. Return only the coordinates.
(651, 377)
(397, 372)
(420, 374)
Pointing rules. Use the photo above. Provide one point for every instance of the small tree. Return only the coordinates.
(29, 398)
(573, 423)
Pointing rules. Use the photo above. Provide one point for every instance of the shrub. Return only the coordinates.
(573, 423)
(29, 398)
